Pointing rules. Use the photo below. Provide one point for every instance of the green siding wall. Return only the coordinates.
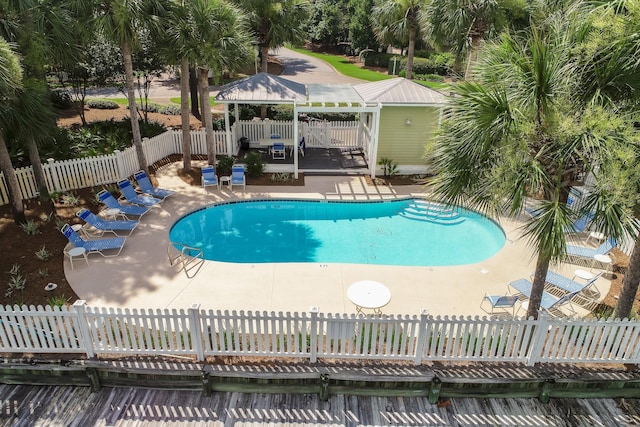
(404, 144)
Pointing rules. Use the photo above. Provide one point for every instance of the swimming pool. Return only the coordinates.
(409, 232)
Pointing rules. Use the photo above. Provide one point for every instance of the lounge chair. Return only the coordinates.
(548, 302)
(568, 285)
(585, 256)
(579, 225)
(111, 203)
(209, 177)
(301, 146)
(237, 177)
(278, 151)
(94, 246)
(132, 197)
(147, 188)
(102, 225)
(499, 304)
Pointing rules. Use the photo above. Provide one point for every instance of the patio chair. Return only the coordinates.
(237, 177)
(278, 151)
(565, 284)
(111, 203)
(209, 177)
(99, 246)
(301, 146)
(499, 304)
(579, 225)
(549, 303)
(132, 197)
(101, 225)
(147, 188)
(585, 256)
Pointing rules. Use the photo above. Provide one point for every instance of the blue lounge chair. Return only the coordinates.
(499, 304)
(580, 224)
(582, 255)
(132, 197)
(278, 151)
(94, 246)
(237, 176)
(102, 225)
(548, 302)
(209, 177)
(111, 203)
(145, 185)
(568, 285)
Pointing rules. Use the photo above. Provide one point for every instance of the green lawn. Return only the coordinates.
(176, 100)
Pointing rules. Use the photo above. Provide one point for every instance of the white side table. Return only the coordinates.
(367, 294)
(583, 274)
(596, 235)
(225, 180)
(77, 252)
(112, 213)
(603, 259)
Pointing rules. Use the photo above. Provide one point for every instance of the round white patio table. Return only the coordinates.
(368, 294)
(583, 274)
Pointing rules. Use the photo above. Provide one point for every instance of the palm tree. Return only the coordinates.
(10, 82)
(119, 21)
(463, 24)
(274, 23)
(516, 131)
(214, 37)
(399, 19)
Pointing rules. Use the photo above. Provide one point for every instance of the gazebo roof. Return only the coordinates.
(269, 89)
(263, 88)
(399, 91)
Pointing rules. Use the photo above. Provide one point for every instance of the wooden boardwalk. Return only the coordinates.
(77, 406)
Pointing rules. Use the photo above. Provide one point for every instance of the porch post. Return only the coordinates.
(295, 141)
(227, 129)
(374, 142)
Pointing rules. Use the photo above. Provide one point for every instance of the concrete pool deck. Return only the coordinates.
(141, 277)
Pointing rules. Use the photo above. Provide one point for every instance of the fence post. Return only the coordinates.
(196, 331)
(422, 337)
(85, 336)
(120, 164)
(53, 174)
(538, 338)
(313, 312)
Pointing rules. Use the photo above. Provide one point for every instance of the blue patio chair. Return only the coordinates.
(579, 225)
(548, 302)
(301, 146)
(145, 185)
(209, 177)
(99, 246)
(499, 304)
(237, 177)
(132, 197)
(111, 203)
(568, 285)
(582, 255)
(278, 151)
(102, 225)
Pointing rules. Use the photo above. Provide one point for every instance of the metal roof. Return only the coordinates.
(263, 88)
(334, 94)
(399, 91)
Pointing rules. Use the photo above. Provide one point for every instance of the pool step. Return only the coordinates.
(422, 210)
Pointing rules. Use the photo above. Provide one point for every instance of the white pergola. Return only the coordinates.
(365, 98)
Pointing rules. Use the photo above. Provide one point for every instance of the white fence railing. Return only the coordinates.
(194, 332)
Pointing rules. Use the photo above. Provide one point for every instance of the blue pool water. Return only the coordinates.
(411, 232)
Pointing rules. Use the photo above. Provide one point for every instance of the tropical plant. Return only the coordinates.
(30, 227)
(399, 20)
(43, 254)
(517, 131)
(255, 166)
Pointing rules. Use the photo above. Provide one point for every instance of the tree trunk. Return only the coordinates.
(629, 284)
(412, 48)
(203, 82)
(15, 196)
(539, 279)
(133, 111)
(193, 89)
(264, 67)
(476, 40)
(38, 171)
(184, 113)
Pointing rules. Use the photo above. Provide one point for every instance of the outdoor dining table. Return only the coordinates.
(369, 294)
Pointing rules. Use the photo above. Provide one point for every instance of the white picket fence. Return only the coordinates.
(94, 331)
(74, 174)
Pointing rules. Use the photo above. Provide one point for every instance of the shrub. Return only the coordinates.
(170, 110)
(30, 227)
(281, 112)
(69, 199)
(224, 165)
(441, 64)
(43, 254)
(102, 104)
(429, 78)
(378, 59)
(388, 167)
(255, 167)
(61, 98)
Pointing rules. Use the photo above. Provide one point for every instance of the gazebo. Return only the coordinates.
(396, 116)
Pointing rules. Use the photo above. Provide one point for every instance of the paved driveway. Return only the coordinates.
(303, 68)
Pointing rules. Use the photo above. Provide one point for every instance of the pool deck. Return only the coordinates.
(141, 277)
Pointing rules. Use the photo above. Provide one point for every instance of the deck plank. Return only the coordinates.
(124, 407)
